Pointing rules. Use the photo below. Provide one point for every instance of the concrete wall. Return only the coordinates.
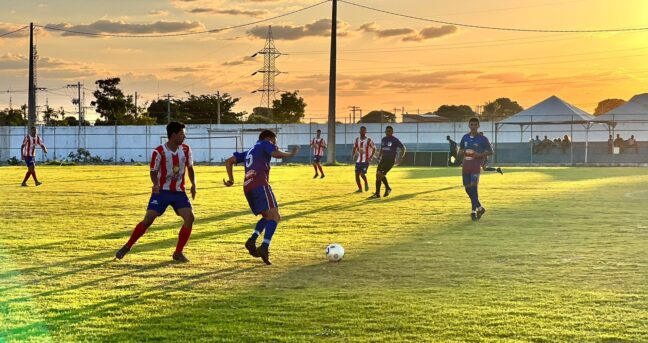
(134, 143)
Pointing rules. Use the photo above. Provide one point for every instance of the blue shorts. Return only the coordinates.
(317, 159)
(361, 167)
(261, 199)
(160, 202)
(30, 161)
(470, 178)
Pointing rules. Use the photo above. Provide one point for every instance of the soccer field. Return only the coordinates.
(561, 255)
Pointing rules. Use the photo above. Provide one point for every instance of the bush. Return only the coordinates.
(13, 161)
(83, 156)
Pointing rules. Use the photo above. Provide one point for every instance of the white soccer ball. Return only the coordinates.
(334, 252)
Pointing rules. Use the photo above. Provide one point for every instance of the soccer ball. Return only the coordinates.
(334, 252)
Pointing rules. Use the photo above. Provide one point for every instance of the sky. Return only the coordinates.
(384, 61)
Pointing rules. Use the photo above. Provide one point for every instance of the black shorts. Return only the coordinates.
(384, 166)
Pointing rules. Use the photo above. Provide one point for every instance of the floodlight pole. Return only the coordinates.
(332, 80)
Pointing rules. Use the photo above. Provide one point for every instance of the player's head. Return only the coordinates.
(363, 131)
(389, 130)
(176, 132)
(448, 138)
(32, 131)
(267, 135)
(319, 133)
(473, 123)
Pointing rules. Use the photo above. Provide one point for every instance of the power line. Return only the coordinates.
(8, 33)
(493, 27)
(182, 33)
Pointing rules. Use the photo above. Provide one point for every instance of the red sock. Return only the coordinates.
(183, 238)
(27, 175)
(138, 232)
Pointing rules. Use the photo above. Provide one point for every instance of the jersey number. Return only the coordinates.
(248, 159)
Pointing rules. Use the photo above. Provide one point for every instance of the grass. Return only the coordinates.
(559, 256)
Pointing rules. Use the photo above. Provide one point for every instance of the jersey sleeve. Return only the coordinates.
(487, 145)
(240, 156)
(155, 161)
(41, 142)
(268, 147)
(399, 144)
(462, 143)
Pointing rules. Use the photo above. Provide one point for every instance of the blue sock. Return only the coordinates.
(476, 195)
(270, 230)
(261, 224)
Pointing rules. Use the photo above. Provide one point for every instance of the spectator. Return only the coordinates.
(535, 144)
(618, 143)
(632, 144)
(452, 156)
(546, 144)
(610, 145)
(565, 144)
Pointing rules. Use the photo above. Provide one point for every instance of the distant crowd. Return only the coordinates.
(547, 145)
(623, 144)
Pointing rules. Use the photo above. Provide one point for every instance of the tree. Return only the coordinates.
(500, 109)
(608, 105)
(112, 104)
(197, 109)
(14, 117)
(50, 116)
(455, 112)
(289, 109)
(378, 117)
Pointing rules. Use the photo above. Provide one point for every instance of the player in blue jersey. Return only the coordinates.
(257, 189)
(387, 157)
(474, 148)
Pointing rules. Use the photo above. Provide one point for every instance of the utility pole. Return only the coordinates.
(332, 85)
(31, 102)
(218, 118)
(168, 96)
(136, 110)
(353, 110)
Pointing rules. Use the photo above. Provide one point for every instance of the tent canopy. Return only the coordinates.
(636, 109)
(552, 110)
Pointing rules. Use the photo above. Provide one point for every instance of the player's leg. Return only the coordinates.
(272, 217)
(386, 170)
(187, 215)
(315, 161)
(379, 176)
(467, 182)
(480, 209)
(363, 174)
(30, 168)
(138, 232)
(319, 165)
(358, 172)
(33, 173)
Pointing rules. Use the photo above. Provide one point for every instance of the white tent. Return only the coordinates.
(552, 110)
(636, 109)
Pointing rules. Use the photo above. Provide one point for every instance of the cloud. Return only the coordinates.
(409, 34)
(431, 33)
(243, 60)
(320, 28)
(158, 13)
(121, 27)
(232, 11)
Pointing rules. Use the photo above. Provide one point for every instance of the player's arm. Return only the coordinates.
(192, 177)
(154, 179)
(487, 151)
(462, 148)
(229, 166)
(155, 167)
(401, 155)
(283, 154)
(42, 145)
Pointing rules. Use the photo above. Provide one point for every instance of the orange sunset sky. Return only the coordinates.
(384, 61)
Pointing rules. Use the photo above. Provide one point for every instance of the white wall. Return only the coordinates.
(136, 142)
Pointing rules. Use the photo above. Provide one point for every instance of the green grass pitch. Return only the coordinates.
(560, 256)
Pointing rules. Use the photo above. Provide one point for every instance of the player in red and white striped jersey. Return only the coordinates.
(168, 165)
(319, 145)
(365, 149)
(28, 152)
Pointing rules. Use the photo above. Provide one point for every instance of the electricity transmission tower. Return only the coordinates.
(269, 70)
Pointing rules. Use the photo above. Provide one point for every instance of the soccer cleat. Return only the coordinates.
(250, 245)
(38, 183)
(499, 170)
(366, 188)
(387, 191)
(180, 257)
(122, 252)
(315, 177)
(321, 177)
(24, 184)
(473, 216)
(264, 254)
(359, 191)
(480, 212)
(374, 196)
